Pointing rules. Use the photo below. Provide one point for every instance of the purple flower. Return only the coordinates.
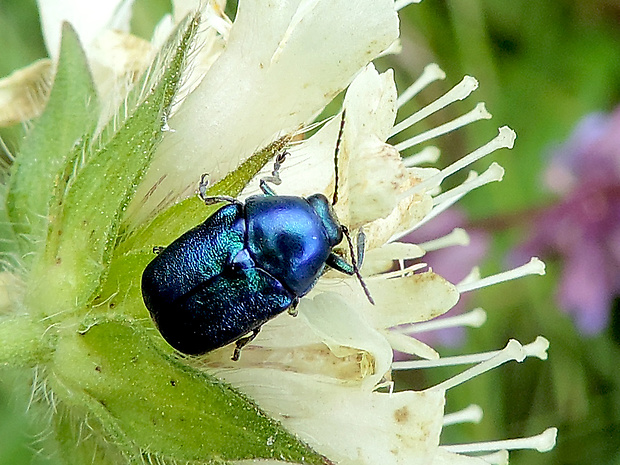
(583, 229)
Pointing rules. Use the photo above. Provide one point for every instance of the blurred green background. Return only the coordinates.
(542, 65)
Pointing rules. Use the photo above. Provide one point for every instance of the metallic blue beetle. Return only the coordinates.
(247, 263)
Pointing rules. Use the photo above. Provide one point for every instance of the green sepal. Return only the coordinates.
(71, 112)
(149, 403)
(25, 341)
(9, 247)
(93, 191)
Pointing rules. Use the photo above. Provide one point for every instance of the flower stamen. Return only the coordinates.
(537, 349)
(458, 236)
(426, 155)
(479, 112)
(494, 173)
(470, 414)
(473, 275)
(473, 319)
(410, 345)
(542, 442)
(513, 351)
(459, 92)
(403, 271)
(505, 139)
(534, 266)
(437, 209)
(431, 73)
(496, 458)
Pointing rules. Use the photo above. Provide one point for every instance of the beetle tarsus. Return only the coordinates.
(158, 249)
(275, 174)
(292, 310)
(211, 200)
(219, 198)
(202, 185)
(241, 343)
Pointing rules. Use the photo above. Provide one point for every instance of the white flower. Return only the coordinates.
(325, 375)
(321, 374)
(281, 65)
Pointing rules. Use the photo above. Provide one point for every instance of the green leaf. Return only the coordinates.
(72, 111)
(150, 404)
(92, 192)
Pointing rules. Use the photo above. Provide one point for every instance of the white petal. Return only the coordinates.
(307, 355)
(283, 63)
(406, 213)
(371, 103)
(382, 259)
(348, 425)
(417, 297)
(406, 299)
(367, 165)
(447, 458)
(117, 59)
(309, 167)
(23, 94)
(375, 178)
(372, 168)
(409, 345)
(342, 327)
(88, 18)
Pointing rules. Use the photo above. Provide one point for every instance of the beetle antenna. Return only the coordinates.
(356, 269)
(336, 151)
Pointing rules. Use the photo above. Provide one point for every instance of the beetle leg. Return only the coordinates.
(292, 310)
(210, 200)
(341, 265)
(241, 343)
(338, 263)
(265, 188)
(275, 174)
(158, 249)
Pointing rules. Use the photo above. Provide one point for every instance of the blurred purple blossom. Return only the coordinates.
(583, 229)
(453, 263)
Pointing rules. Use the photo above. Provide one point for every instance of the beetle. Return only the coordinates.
(248, 262)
